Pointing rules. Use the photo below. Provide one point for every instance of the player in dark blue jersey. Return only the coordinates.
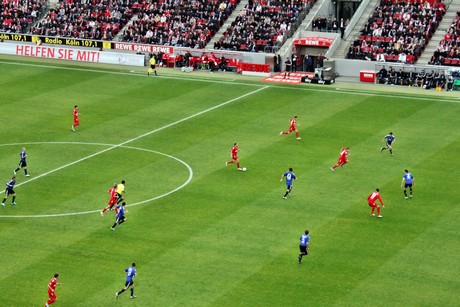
(289, 177)
(129, 283)
(304, 245)
(22, 162)
(9, 190)
(389, 139)
(407, 182)
(120, 217)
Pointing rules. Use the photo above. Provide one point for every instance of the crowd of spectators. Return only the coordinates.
(262, 24)
(323, 24)
(17, 16)
(95, 19)
(448, 50)
(398, 31)
(178, 22)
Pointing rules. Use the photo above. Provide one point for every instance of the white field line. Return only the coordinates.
(190, 170)
(143, 135)
(369, 92)
(132, 74)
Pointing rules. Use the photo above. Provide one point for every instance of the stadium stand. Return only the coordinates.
(448, 50)
(398, 31)
(16, 16)
(178, 23)
(262, 25)
(96, 19)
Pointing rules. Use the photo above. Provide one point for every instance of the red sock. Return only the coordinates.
(51, 300)
(335, 166)
(378, 210)
(238, 165)
(105, 209)
(285, 132)
(230, 162)
(296, 134)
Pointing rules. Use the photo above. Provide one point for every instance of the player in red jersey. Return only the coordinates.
(76, 121)
(234, 154)
(292, 127)
(51, 290)
(371, 200)
(343, 158)
(112, 200)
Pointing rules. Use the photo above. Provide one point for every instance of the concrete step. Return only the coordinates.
(342, 50)
(440, 32)
(236, 12)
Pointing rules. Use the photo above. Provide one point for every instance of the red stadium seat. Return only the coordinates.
(392, 58)
(171, 60)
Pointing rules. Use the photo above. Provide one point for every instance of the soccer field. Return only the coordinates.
(203, 234)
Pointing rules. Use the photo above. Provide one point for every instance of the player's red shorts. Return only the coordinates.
(373, 205)
(112, 201)
(235, 157)
(342, 161)
(51, 296)
(76, 121)
(292, 128)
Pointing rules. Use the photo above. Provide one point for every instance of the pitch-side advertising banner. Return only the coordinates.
(81, 55)
(314, 41)
(142, 48)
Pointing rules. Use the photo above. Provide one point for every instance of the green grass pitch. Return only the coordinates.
(203, 234)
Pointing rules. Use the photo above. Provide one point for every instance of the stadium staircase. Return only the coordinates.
(306, 23)
(118, 37)
(451, 12)
(342, 50)
(286, 49)
(236, 12)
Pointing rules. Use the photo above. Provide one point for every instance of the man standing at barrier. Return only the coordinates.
(153, 66)
(288, 64)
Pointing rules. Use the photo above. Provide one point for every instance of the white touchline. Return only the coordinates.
(141, 136)
(369, 92)
(195, 78)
